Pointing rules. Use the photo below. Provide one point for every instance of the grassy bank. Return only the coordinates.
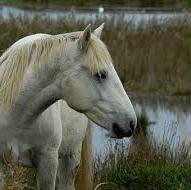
(143, 172)
(134, 3)
(149, 166)
(152, 60)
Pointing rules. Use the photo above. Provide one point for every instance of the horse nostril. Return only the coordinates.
(117, 130)
(120, 132)
(132, 125)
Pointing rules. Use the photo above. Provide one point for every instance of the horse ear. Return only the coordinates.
(85, 38)
(98, 30)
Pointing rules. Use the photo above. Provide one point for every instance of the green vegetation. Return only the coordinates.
(148, 167)
(135, 172)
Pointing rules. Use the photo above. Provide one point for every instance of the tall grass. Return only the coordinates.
(153, 58)
(151, 166)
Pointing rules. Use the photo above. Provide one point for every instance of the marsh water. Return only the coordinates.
(163, 119)
(165, 123)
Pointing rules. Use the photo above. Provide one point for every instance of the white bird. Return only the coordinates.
(100, 9)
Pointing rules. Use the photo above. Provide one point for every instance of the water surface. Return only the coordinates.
(117, 16)
(164, 123)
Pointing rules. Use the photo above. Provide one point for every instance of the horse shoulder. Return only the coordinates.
(74, 126)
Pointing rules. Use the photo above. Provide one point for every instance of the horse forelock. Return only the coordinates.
(97, 57)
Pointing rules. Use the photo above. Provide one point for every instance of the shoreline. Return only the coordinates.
(112, 8)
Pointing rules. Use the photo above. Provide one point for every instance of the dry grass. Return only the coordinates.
(15, 176)
(155, 59)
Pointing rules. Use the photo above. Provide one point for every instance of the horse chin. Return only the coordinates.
(114, 136)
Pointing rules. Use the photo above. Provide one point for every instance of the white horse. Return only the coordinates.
(39, 72)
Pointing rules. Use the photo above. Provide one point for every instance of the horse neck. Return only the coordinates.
(40, 90)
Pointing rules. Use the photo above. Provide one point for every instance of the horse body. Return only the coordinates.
(61, 129)
(35, 74)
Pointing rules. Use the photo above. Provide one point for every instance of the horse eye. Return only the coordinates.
(101, 75)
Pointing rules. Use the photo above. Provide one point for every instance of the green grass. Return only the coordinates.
(149, 175)
(148, 167)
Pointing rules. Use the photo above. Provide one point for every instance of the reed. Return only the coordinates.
(154, 58)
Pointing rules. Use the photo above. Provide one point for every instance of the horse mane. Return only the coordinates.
(35, 50)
